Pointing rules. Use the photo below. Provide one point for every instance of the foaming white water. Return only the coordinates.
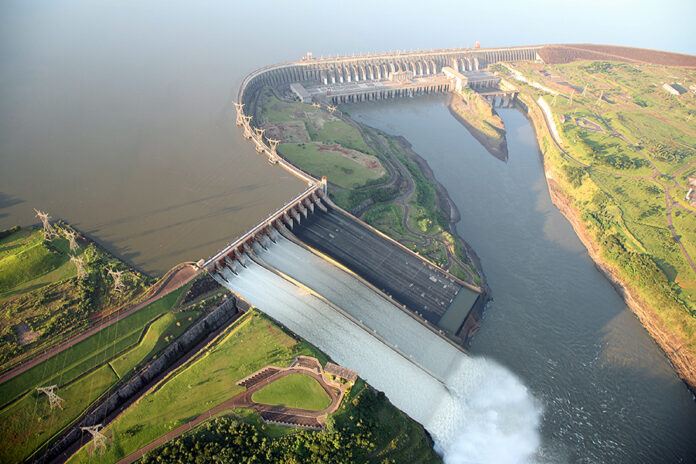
(476, 410)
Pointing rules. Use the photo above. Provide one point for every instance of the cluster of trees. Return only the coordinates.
(225, 439)
(667, 153)
(574, 174)
(598, 67)
(639, 266)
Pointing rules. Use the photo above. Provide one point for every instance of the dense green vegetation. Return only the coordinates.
(83, 373)
(294, 391)
(368, 429)
(629, 150)
(249, 344)
(42, 299)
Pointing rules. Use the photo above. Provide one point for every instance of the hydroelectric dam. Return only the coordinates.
(364, 299)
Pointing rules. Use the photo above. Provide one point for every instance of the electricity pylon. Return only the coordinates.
(49, 231)
(80, 265)
(272, 144)
(53, 399)
(70, 235)
(98, 438)
(331, 108)
(116, 275)
(240, 113)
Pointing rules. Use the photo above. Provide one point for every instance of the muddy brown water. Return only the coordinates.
(116, 117)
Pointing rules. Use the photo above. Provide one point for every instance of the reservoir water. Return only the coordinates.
(116, 116)
(608, 392)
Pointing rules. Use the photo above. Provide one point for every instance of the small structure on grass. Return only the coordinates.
(340, 373)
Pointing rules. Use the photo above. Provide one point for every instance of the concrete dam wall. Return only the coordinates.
(376, 67)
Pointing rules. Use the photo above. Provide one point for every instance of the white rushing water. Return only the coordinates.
(475, 410)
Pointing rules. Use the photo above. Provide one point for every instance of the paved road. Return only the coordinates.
(174, 279)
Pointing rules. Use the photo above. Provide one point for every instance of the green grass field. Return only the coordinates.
(338, 169)
(294, 391)
(29, 422)
(82, 373)
(25, 257)
(251, 343)
(89, 353)
(39, 289)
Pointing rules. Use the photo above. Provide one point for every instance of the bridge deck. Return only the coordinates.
(410, 280)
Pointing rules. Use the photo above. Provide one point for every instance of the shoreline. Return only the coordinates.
(684, 364)
(496, 146)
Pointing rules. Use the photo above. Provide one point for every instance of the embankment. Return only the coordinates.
(673, 345)
(481, 120)
(124, 394)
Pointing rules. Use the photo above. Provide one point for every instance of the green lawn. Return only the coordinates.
(29, 422)
(24, 257)
(294, 391)
(89, 353)
(30, 415)
(337, 168)
(251, 343)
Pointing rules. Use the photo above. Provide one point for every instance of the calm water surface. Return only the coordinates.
(608, 392)
(116, 117)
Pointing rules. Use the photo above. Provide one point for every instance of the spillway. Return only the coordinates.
(395, 325)
(474, 409)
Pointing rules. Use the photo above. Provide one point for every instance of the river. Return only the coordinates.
(608, 392)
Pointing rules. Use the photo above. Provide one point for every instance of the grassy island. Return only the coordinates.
(375, 176)
(619, 151)
(481, 120)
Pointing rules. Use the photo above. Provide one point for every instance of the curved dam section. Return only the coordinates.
(474, 409)
(375, 67)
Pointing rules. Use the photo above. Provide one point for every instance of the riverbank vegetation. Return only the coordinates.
(43, 301)
(374, 175)
(250, 343)
(627, 150)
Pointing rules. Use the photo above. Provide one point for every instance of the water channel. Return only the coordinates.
(608, 392)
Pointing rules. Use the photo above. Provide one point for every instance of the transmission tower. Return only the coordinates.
(553, 100)
(53, 399)
(272, 145)
(259, 133)
(316, 105)
(331, 108)
(116, 275)
(70, 235)
(98, 438)
(49, 231)
(240, 113)
(80, 265)
(572, 94)
(601, 95)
